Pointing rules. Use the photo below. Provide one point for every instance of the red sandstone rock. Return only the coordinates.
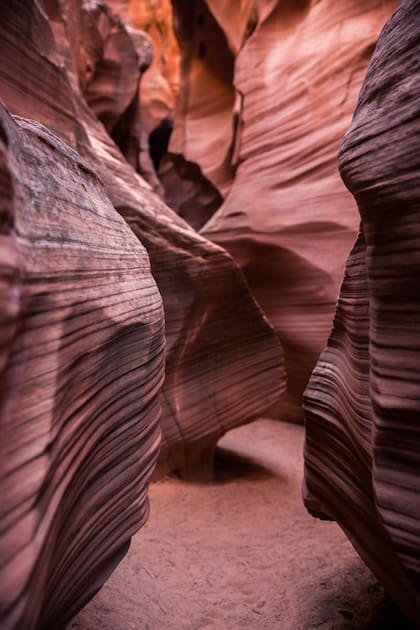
(81, 332)
(107, 62)
(81, 367)
(237, 360)
(160, 84)
(217, 339)
(296, 69)
(204, 119)
(109, 59)
(362, 449)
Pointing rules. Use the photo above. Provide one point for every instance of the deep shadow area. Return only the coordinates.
(389, 617)
(229, 465)
(159, 141)
(362, 606)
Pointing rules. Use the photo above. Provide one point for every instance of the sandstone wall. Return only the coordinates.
(82, 326)
(160, 85)
(82, 363)
(289, 73)
(362, 452)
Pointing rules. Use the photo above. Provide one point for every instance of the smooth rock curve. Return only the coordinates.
(82, 364)
(362, 451)
(218, 340)
(290, 73)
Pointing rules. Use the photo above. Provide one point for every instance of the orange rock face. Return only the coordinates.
(108, 60)
(81, 360)
(362, 449)
(290, 74)
(160, 84)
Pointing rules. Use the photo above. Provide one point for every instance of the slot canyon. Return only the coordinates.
(210, 314)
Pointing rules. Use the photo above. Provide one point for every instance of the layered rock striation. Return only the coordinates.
(82, 334)
(82, 363)
(362, 451)
(217, 339)
(268, 92)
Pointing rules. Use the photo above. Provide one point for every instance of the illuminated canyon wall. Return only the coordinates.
(159, 87)
(268, 90)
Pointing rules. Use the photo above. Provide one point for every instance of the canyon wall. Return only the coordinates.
(160, 84)
(362, 451)
(101, 282)
(82, 348)
(159, 87)
(82, 363)
(202, 289)
(88, 254)
(268, 90)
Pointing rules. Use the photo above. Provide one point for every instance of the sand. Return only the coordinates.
(241, 552)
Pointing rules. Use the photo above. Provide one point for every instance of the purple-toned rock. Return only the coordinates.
(362, 452)
(81, 366)
(81, 325)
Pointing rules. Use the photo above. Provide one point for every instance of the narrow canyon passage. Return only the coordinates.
(209, 214)
(241, 552)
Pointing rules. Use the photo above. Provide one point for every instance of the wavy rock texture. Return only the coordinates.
(110, 60)
(107, 61)
(362, 447)
(203, 132)
(81, 359)
(81, 368)
(296, 69)
(160, 84)
(218, 342)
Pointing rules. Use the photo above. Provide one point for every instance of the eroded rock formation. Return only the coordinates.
(160, 84)
(268, 92)
(82, 363)
(82, 331)
(109, 60)
(362, 406)
(201, 287)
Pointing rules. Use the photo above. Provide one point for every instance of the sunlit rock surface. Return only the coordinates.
(268, 92)
(160, 85)
(204, 118)
(82, 358)
(109, 59)
(362, 448)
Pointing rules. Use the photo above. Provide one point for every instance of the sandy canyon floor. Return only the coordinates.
(241, 552)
